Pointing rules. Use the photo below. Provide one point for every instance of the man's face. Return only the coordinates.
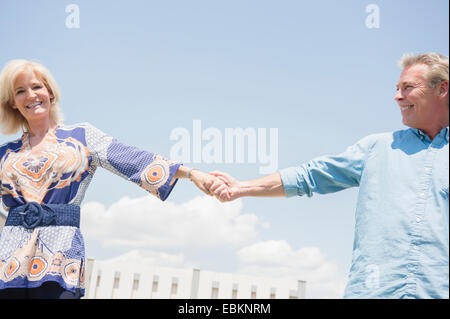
(416, 100)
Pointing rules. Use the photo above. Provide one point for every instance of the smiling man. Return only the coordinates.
(421, 95)
(401, 242)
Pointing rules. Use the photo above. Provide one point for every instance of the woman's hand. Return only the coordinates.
(224, 187)
(203, 180)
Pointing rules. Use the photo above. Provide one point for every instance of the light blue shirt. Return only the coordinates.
(401, 241)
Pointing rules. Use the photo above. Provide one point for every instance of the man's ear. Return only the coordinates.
(443, 88)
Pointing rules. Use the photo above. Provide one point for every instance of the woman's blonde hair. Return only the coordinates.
(11, 120)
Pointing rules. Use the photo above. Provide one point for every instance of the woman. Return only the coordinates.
(44, 176)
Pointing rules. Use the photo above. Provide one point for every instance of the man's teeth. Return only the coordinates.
(406, 107)
(33, 105)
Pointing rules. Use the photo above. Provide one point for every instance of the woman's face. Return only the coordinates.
(31, 97)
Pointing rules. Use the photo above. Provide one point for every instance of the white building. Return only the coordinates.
(106, 280)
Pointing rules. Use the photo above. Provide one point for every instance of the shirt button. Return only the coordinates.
(415, 247)
(418, 219)
(422, 195)
(427, 169)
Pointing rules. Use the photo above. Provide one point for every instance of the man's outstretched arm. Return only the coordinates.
(267, 186)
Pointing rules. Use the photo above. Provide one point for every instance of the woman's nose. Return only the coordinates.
(31, 94)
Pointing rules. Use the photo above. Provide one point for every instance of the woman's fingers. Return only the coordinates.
(223, 175)
(215, 185)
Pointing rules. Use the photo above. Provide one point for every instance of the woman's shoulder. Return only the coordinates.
(84, 127)
(14, 144)
(64, 126)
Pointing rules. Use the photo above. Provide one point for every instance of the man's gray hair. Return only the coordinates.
(437, 66)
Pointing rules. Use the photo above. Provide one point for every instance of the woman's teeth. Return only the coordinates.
(33, 105)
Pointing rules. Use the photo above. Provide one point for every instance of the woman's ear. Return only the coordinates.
(52, 97)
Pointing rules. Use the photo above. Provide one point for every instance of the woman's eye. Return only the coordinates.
(20, 91)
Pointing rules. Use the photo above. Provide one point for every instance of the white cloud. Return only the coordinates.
(159, 233)
(148, 259)
(278, 259)
(147, 222)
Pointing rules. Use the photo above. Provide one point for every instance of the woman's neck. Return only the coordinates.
(40, 128)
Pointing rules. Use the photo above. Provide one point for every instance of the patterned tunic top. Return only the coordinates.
(59, 173)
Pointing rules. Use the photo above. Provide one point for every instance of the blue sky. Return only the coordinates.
(312, 69)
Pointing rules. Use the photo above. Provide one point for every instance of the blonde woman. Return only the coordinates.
(44, 175)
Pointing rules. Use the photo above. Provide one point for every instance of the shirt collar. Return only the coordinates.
(444, 133)
(420, 134)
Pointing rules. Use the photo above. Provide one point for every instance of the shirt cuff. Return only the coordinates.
(289, 178)
(166, 189)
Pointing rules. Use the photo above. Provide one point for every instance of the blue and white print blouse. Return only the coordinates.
(59, 171)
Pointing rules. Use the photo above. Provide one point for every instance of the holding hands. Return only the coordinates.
(221, 185)
(226, 188)
(202, 180)
(218, 184)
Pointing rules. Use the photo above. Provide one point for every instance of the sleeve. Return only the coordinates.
(328, 174)
(150, 171)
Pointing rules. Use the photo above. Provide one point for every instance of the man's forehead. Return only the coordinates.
(408, 82)
(414, 74)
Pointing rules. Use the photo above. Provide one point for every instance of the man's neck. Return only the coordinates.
(432, 133)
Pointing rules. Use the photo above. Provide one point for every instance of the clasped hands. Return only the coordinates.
(221, 185)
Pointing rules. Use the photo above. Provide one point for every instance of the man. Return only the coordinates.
(401, 242)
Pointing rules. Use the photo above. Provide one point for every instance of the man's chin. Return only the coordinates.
(408, 122)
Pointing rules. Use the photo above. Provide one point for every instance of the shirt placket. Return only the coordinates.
(418, 220)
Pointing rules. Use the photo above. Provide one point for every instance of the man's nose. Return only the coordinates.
(398, 96)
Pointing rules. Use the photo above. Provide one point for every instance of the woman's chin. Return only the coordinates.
(38, 115)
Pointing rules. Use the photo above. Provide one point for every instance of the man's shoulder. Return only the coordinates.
(375, 138)
(383, 139)
(388, 136)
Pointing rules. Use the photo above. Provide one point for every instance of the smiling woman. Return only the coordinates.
(44, 176)
(18, 76)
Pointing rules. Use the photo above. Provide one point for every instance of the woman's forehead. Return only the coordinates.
(27, 75)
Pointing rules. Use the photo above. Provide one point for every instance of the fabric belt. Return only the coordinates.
(33, 214)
